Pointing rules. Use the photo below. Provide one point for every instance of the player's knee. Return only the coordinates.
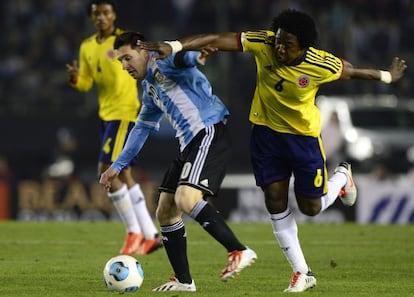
(310, 209)
(167, 212)
(186, 198)
(162, 216)
(184, 203)
(167, 215)
(160, 213)
(274, 205)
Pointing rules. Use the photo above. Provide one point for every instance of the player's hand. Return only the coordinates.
(73, 70)
(397, 69)
(163, 49)
(204, 53)
(107, 177)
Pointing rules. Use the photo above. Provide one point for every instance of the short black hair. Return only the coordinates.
(297, 23)
(97, 2)
(128, 38)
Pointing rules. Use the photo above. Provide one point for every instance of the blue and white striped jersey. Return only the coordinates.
(182, 94)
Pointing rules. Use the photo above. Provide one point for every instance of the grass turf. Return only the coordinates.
(67, 259)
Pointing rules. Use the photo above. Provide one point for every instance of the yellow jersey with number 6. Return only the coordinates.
(284, 98)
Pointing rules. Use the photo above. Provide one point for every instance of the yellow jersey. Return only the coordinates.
(117, 90)
(284, 98)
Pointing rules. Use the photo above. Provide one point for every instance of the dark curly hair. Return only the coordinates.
(128, 38)
(297, 23)
(97, 2)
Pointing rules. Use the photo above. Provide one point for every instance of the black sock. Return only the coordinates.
(175, 244)
(211, 220)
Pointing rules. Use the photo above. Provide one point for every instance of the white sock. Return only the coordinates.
(285, 230)
(140, 207)
(122, 202)
(335, 183)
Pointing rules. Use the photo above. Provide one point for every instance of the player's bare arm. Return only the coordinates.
(393, 74)
(228, 41)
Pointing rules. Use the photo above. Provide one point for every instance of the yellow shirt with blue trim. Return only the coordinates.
(284, 98)
(117, 90)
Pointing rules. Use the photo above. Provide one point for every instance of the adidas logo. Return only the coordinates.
(204, 182)
(205, 224)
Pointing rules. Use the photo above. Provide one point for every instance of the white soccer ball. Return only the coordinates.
(123, 274)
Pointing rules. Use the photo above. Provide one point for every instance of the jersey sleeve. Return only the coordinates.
(184, 59)
(148, 119)
(149, 116)
(135, 141)
(253, 41)
(327, 66)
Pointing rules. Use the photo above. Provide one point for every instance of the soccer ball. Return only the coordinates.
(123, 274)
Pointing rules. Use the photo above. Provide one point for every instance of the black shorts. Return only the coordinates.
(202, 164)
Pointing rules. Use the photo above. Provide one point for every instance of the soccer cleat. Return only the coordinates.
(175, 285)
(150, 245)
(238, 260)
(301, 282)
(132, 243)
(348, 193)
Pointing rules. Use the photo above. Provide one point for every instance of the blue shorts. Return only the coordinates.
(113, 137)
(276, 156)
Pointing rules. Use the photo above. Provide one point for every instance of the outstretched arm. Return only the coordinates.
(133, 145)
(229, 41)
(393, 74)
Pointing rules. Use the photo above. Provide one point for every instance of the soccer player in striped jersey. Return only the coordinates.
(176, 89)
(118, 107)
(285, 137)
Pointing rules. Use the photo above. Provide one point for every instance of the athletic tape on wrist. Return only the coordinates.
(385, 76)
(175, 45)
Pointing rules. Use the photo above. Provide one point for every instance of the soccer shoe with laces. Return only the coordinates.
(238, 260)
(175, 285)
(150, 245)
(132, 243)
(348, 193)
(301, 282)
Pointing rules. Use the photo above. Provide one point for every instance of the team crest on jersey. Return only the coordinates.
(111, 54)
(303, 81)
(159, 77)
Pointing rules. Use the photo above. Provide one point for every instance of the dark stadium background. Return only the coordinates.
(41, 36)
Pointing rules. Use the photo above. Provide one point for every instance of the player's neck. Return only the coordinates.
(101, 36)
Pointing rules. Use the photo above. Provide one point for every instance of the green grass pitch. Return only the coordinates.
(67, 259)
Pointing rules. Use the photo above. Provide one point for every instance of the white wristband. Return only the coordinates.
(385, 76)
(175, 45)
